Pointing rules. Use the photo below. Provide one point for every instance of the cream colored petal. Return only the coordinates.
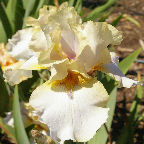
(116, 36)
(99, 35)
(63, 15)
(15, 76)
(18, 46)
(56, 25)
(113, 70)
(77, 115)
(77, 66)
(32, 64)
(38, 41)
(30, 21)
(69, 42)
(59, 71)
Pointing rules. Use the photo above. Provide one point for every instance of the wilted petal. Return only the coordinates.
(113, 70)
(73, 115)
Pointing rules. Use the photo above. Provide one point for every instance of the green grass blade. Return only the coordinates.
(4, 96)
(106, 15)
(29, 8)
(78, 6)
(5, 21)
(134, 21)
(41, 3)
(3, 37)
(25, 3)
(92, 15)
(117, 20)
(71, 2)
(19, 15)
(136, 103)
(18, 123)
(11, 11)
(125, 64)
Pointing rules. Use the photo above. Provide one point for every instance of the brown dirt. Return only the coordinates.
(131, 36)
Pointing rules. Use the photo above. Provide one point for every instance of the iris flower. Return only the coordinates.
(72, 102)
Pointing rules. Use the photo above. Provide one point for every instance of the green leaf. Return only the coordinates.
(25, 3)
(71, 2)
(102, 134)
(28, 85)
(4, 96)
(19, 15)
(136, 103)
(106, 15)
(134, 21)
(125, 64)
(117, 20)
(94, 14)
(41, 3)
(3, 37)
(20, 132)
(78, 6)
(5, 21)
(29, 8)
(11, 10)
(8, 130)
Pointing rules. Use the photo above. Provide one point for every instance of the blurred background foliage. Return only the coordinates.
(12, 18)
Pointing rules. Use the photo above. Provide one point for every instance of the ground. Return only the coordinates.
(131, 36)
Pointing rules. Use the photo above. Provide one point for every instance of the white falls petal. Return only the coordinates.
(77, 115)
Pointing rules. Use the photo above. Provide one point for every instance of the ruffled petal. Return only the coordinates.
(59, 71)
(73, 115)
(115, 36)
(15, 76)
(99, 35)
(18, 46)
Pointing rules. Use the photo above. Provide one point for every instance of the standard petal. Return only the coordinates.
(59, 71)
(77, 115)
(113, 70)
(69, 43)
(97, 35)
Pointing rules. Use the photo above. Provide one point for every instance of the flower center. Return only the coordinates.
(72, 79)
(97, 67)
